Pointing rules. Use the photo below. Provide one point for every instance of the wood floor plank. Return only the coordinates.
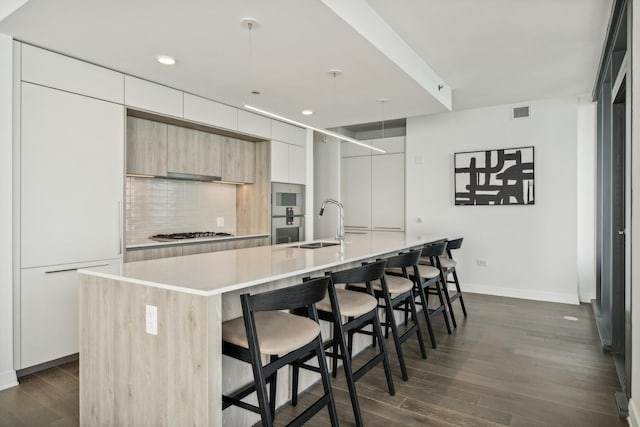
(512, 362)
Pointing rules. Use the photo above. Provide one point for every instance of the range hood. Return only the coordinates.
(192, 177)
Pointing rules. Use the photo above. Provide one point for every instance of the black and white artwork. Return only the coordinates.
(494, 177)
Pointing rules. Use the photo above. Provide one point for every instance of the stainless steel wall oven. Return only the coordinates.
(287, 213)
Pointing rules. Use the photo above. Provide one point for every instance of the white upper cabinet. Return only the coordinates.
(288, 133)
(58, 71)
(288, 163)
(254, 124)
(356, 191)
(387, 192)
(153, 97)
(390, 145)
(210, 112)
(297, 165)
(349, 149)
(71, 177)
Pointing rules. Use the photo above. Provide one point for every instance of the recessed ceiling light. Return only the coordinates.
(166, 60)
(307, 112)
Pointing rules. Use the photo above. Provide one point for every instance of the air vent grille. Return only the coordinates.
(521, 112)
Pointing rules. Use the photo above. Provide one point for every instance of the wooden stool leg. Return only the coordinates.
(425, 307)
(443, 281)
(295, 377)
(385, 359)
(414, 315)
(326, 384)
(390, 321)
(348, 372)
(455, 279)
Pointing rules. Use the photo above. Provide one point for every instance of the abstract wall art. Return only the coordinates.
(494, 177)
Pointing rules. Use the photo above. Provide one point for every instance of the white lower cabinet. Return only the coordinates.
(49, 312)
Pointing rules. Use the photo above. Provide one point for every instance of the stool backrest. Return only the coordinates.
(434, 250)
(366, 273)
(297, 296)
(407, 259)
(454, 244)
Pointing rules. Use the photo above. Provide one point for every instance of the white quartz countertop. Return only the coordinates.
(150, 243)
(219, 272)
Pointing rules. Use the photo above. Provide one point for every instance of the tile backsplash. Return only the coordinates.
(161, 206)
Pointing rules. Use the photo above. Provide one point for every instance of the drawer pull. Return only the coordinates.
(74, 269)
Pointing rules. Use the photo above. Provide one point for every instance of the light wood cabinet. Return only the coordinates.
(153, 253)
(194, 152)
(238, 160)
(194, 249)
(146, 147)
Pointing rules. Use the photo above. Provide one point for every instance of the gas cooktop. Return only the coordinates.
(191, 235)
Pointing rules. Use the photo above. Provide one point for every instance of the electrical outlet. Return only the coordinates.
(418, 160)
(152, 319)
(419, 219)
(482, 262)
(220, 221)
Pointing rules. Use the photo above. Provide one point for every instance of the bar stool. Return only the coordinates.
(360, 309)
(428, 282)
(285, 338)
(396, 292)
(447, 266)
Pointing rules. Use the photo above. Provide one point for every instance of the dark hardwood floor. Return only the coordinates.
(511, 362)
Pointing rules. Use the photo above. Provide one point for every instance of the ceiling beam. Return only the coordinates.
(362, 18)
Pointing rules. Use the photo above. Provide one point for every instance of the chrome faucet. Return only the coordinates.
(340, 228)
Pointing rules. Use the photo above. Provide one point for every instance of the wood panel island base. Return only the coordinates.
(135, 373)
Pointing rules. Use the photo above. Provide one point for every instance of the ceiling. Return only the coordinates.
(489, 52)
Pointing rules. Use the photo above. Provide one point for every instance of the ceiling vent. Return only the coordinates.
(521, 112)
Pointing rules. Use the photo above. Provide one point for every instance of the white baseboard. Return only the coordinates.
(634, 414)
(520, 293)
(8, 379)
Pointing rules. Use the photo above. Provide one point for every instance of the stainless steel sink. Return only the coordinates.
(316, 245)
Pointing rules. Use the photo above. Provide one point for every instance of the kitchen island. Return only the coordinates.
(134, 371)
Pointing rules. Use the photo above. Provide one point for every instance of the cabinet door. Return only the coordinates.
(288, 133)
(349, 149)
(254, 124)
(152, 97)
(210, 112)
(297, 165)
(194, 152)
(61, 72)
(393, 144)
(153, 253)
(387, 192)
(49, 312)
(356, 191)
(146, 147)
(239, 160)
(71, 177)
(279, 161)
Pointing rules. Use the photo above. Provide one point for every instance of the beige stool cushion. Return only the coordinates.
(395, 284)
(428, 272)
(278, 332)
(447, 262)
(351, 303)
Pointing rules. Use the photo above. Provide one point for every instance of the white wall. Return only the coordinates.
(531, 250)
(7, 374)
(586, 222)
(326, 179)
(634, 405)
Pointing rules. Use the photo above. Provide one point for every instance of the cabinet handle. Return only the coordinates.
(387, 228)
(74, 269)
(356, 226)
(120, 230)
